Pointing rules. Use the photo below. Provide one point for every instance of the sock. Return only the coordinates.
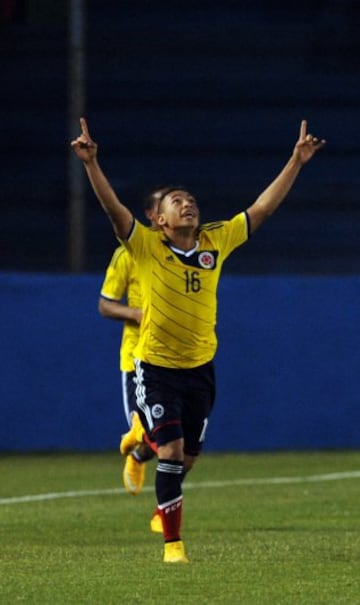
(143, 453)
(169, 474)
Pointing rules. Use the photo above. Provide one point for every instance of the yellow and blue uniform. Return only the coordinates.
(178, 292)
(121, 281)
(175, 383)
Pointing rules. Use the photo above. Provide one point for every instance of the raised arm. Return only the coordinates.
(269, 200)
(86, 150)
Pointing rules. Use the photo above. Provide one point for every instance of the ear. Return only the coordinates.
(160, 219)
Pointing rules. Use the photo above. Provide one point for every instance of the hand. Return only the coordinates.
(307, 145)
(137, 316)
(85, 148)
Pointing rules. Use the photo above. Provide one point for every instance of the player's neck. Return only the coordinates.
(183, 239)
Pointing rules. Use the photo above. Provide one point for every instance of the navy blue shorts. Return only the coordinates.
(175, 403)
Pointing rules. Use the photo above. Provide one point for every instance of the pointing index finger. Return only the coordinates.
(84, 128)
(303, 129)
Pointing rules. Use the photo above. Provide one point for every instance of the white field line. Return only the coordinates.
(187, 485)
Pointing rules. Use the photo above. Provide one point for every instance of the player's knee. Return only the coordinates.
(174, 450)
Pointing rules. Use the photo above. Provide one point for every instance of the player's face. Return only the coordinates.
(179, 209)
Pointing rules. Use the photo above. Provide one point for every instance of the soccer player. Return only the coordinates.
(180, 265)
(121, 279)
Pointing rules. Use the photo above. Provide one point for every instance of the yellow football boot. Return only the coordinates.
(134, 436)
(133, 475)
(156, 523)
(174, 552)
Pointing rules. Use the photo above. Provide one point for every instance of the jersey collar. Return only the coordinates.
(186, 253)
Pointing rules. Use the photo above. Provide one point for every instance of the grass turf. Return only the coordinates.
(291, 543)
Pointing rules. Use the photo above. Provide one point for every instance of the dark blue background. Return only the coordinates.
(205, 93)
(287, 365)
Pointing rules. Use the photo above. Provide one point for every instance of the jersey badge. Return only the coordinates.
(157, 410)
(206, 260)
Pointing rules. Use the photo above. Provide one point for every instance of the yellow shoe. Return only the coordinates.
(138, 427)
(156, 523)
(133, 475)
(174, 552)
(134, 436)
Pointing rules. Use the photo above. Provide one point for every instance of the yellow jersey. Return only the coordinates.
(121, 280)
(179, 291)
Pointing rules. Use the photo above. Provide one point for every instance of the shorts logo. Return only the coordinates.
(206, 260)
(157, 411)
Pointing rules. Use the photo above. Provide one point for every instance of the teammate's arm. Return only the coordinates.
(86, 150)
(115, 310)
(275, 193)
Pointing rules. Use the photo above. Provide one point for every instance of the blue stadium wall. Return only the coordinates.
(287, 365)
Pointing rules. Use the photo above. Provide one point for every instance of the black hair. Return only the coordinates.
(157, 195)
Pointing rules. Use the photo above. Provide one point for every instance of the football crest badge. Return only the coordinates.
(206, 260)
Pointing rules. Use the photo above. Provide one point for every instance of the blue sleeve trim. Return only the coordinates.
(248, 224)
(110, 299)
(131, 229)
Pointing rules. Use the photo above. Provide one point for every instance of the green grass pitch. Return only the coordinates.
(260, 529)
